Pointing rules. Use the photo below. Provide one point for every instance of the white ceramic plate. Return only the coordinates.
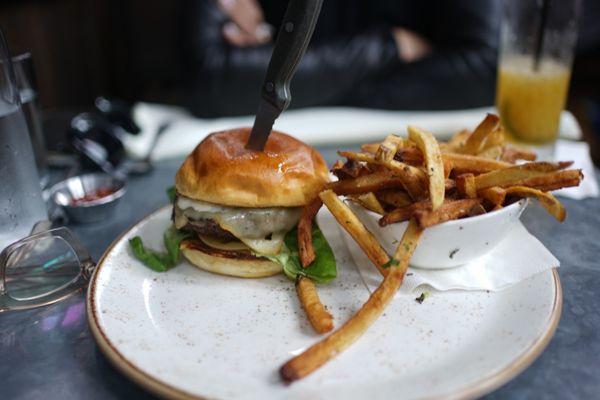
(188, 333)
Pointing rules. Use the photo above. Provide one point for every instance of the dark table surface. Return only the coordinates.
(49, 352)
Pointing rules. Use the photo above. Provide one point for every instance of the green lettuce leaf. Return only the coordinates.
(157, 260)
(171, 193)
(322, 270)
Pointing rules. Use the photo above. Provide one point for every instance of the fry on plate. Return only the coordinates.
(348, 220)
(325, 350)
(305, 245)
(318, 316)
(419, 180)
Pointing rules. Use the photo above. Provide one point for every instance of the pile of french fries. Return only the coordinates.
(425, 182)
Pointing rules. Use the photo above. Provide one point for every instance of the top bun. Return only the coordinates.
(288, 173)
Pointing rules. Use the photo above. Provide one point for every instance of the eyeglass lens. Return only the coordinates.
(40, 267)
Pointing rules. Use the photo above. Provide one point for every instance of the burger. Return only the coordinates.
(238, 208)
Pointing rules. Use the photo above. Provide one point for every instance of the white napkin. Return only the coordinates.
(516, 258)
(579, 152)
(335, 126)
(316, 126)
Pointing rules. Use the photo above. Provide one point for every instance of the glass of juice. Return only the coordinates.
(534, 68)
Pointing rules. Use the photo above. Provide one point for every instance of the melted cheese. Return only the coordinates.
(217, 244)
(261, 229)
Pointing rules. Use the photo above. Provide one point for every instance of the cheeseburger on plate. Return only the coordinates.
(239, 208)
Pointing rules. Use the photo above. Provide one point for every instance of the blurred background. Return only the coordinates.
(210, 56)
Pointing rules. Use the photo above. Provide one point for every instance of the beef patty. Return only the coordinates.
(198, 244)
(209, 227)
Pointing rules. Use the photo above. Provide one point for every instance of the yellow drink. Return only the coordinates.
(530, 102)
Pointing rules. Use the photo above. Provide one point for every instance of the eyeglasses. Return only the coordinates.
(42, 269)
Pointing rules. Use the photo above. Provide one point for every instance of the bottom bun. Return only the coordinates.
(225, 263)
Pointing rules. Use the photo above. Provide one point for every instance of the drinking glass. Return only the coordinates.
(21, 202)
(27, 85)
(536, 53)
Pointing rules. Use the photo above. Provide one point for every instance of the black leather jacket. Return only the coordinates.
(352, 58)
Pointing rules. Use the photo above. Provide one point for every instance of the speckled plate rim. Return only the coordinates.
(163, 389)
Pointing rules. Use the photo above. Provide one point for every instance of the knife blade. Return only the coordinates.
(294, 35)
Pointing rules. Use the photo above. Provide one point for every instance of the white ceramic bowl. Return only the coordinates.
(451, 243)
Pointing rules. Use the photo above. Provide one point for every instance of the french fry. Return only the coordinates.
(367, 183)
(547, 200)
(305, 245)
(433, 163)
(448, 167)
(476, 140)
(495, 138)
(349, 169)
(425, 183)
(410, 155)
(339, 164)
(320, 319)
(369, 148)
(463, 163)
(552, 181)
(368, 201)
(414, 180)
(493, 153)
(451, 209)
(494, 195)
(465, 184)
(347, 220)
(388, 148)
(404, 213)
(325, 350)
(511, 155)
(476, 210)
(394, 198)
(517, 174)
(458, 140)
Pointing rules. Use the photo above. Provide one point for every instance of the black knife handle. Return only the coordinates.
(294, 34)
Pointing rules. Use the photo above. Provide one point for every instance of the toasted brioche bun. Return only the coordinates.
(288, 173)
(227, 262)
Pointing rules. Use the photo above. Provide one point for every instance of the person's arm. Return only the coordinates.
(228, 78)
(460, 70)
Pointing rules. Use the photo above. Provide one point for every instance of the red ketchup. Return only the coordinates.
(92, 196)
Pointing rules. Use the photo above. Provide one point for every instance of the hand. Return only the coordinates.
(247, 26)
(411, 46)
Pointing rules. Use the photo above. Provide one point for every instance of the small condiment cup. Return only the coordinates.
(68, 195)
